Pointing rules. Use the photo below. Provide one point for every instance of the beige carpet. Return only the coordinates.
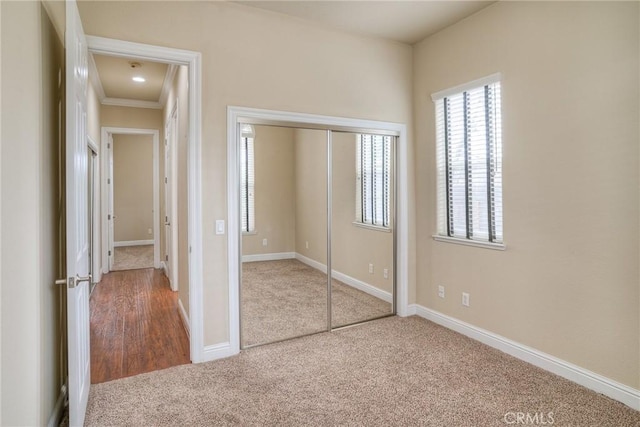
(132, 257)
(286, 298)
(389, 372)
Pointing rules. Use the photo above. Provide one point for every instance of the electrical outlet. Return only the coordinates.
(465, 299)
(370, 268)
(264, 242)
(306, 245)
(385, 273)
(441, 291)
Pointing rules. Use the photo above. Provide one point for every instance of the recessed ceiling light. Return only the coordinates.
(139, 79)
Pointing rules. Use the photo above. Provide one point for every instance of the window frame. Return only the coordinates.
(444, 207)
(247, 179)
(361, 197)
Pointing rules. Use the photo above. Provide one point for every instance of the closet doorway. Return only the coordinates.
(317, 217)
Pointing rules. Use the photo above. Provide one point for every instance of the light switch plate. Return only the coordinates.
(220, 226)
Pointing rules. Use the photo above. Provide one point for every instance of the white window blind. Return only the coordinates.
(247, 179)
(469, 162)
(373, 170)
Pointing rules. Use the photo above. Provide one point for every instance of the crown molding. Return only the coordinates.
(133, 103)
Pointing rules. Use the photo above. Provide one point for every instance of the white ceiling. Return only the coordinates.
(402, 21)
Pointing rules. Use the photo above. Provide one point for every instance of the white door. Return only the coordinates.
(77, 214)
(170, 219)
(110, 216)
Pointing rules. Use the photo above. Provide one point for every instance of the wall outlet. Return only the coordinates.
(264, 242)
(306, 245)
(385, 273)
(370, 268)
(441, 291)
(465, 299)
(149, 231)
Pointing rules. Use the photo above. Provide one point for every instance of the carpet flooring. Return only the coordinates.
(287, 298)
(389, 372)
(132, 257)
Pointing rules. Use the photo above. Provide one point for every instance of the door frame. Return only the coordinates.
(311, 121)
(171, 141)
(107, 133)
(193, 60)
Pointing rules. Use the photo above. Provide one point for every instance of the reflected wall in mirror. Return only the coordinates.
(284, 240)
(362, 219)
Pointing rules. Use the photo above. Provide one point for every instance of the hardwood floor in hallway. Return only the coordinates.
(135, 325)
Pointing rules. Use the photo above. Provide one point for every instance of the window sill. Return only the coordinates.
(372, 227)
(474, 243)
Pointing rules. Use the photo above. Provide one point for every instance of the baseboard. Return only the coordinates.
(218, 351)
(133, 243)
(184, 317)
(347, 280)
(596, 382)
(163, 267)
(58, 410)
(362, 286)
(268, 257)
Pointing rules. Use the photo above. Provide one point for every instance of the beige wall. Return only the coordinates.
(179, 97)
(275, 206)
(259, 59)
(568, 282)
(133, 187)
(128, 117)
(30, 302)
(353, 247)
(311, 193)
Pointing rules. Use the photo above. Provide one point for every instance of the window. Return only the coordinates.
(373, 170)
(469, 161)
(247, 179)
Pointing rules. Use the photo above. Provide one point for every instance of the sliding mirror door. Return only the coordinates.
(362, 227)
(283, 211)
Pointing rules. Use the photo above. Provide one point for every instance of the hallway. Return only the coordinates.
(135, 325)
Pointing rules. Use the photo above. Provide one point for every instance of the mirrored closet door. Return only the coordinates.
(314, 201)
(362, 227)
(283, 195)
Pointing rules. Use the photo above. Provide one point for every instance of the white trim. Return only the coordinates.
(596, 382)
(132, 103)
(167, 83)
(184, 317)
(311, 120)
(132, 243)
(493, 78)
(58, 409)
(467, 242)
(218, 351)
(108, 242)
(268, 257)
(312, 263)
(193, 60)
(95, 78)
(347, 280)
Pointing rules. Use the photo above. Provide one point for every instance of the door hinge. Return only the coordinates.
(109, 253)
(166, 257)
(165, 179)
(108, 146)
(109, 217)
(108, 180)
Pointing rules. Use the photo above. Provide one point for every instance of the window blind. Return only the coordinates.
(373, 171)
(247, 179)
(469, 163)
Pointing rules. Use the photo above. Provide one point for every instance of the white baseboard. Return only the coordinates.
(596, 382)
(133, 243)
(218, 351)
(58, 410)
(268, 257)
(163, 267)
(347, 280)
(184, 317)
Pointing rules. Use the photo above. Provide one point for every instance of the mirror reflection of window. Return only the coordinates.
(247, 179)
(373, 169)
